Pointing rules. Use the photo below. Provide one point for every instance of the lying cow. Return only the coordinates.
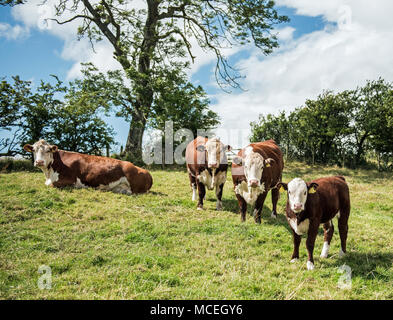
(309, 205)
(207, 166)
(64, 168)
(255, 170)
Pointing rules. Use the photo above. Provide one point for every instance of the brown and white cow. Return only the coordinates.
(255, 170)
(64, 168)
(313, 203)
(207, 167)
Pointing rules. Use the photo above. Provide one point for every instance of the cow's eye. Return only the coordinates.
(289, 192)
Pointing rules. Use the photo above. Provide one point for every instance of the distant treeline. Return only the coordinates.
(69, 116)
(351, 128)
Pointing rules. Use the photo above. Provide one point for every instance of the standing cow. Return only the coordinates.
(207, 166)
(255, 170)
(314, 203)
(64, 168)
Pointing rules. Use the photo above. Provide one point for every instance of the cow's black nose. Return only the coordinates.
(254, 183)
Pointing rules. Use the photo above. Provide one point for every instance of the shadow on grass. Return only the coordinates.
(157, 193)
(368, 265)
(231, 205)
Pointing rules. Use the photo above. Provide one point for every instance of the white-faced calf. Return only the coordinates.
(314, 203)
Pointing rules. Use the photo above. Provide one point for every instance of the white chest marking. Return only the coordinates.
(51, 176)
(250, 195)
(300, 229)
(211, 181)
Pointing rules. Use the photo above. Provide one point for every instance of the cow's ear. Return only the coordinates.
(53, 148)
(282, 186)
(269, 162)
(312, 187)
(201, 148)
(28, 148)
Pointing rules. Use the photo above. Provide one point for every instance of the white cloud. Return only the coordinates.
(13, 32)
(355, 46)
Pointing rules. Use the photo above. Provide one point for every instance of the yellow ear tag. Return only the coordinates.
(282, 189)
(267, 165)
(312, 190)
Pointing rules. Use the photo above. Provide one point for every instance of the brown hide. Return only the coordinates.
(94, 171)
(331, 196)
(197, 160)
(271, 175)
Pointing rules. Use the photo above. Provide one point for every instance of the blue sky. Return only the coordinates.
(324, 46)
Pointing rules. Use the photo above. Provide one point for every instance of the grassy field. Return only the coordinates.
(101, 245)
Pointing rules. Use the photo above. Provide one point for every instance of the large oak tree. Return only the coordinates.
(158, 36)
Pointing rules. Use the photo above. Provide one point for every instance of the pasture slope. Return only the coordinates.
(101, 245)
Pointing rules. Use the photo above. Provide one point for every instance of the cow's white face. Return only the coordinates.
(215, 152)
(253, 169)
(43, 153)
(297, 195)
(253, 165)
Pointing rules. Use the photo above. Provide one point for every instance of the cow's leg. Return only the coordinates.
(296, 243)
(193, 184)
(343, 230)
(310, 242)
(201, 195)
(259, 206)
(275, 197)
(219, 190)
(328, 229)
(242, 207)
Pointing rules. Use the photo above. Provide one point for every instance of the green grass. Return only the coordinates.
(101, 245)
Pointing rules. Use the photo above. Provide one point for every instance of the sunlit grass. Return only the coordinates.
(101, 245)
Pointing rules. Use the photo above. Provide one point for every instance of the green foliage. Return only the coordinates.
(152, 42)
(67, 116)
(181, 102)
(11, 2)
(8, 165)
(336, 128)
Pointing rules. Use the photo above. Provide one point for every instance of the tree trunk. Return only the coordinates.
(379, 161)
(133, 147)
(360, 149)
(143, 88)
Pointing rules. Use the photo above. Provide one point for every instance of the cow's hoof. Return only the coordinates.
(294, 260)
(199, 208)
(273, 215)
(341, 253)
(310, 265)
